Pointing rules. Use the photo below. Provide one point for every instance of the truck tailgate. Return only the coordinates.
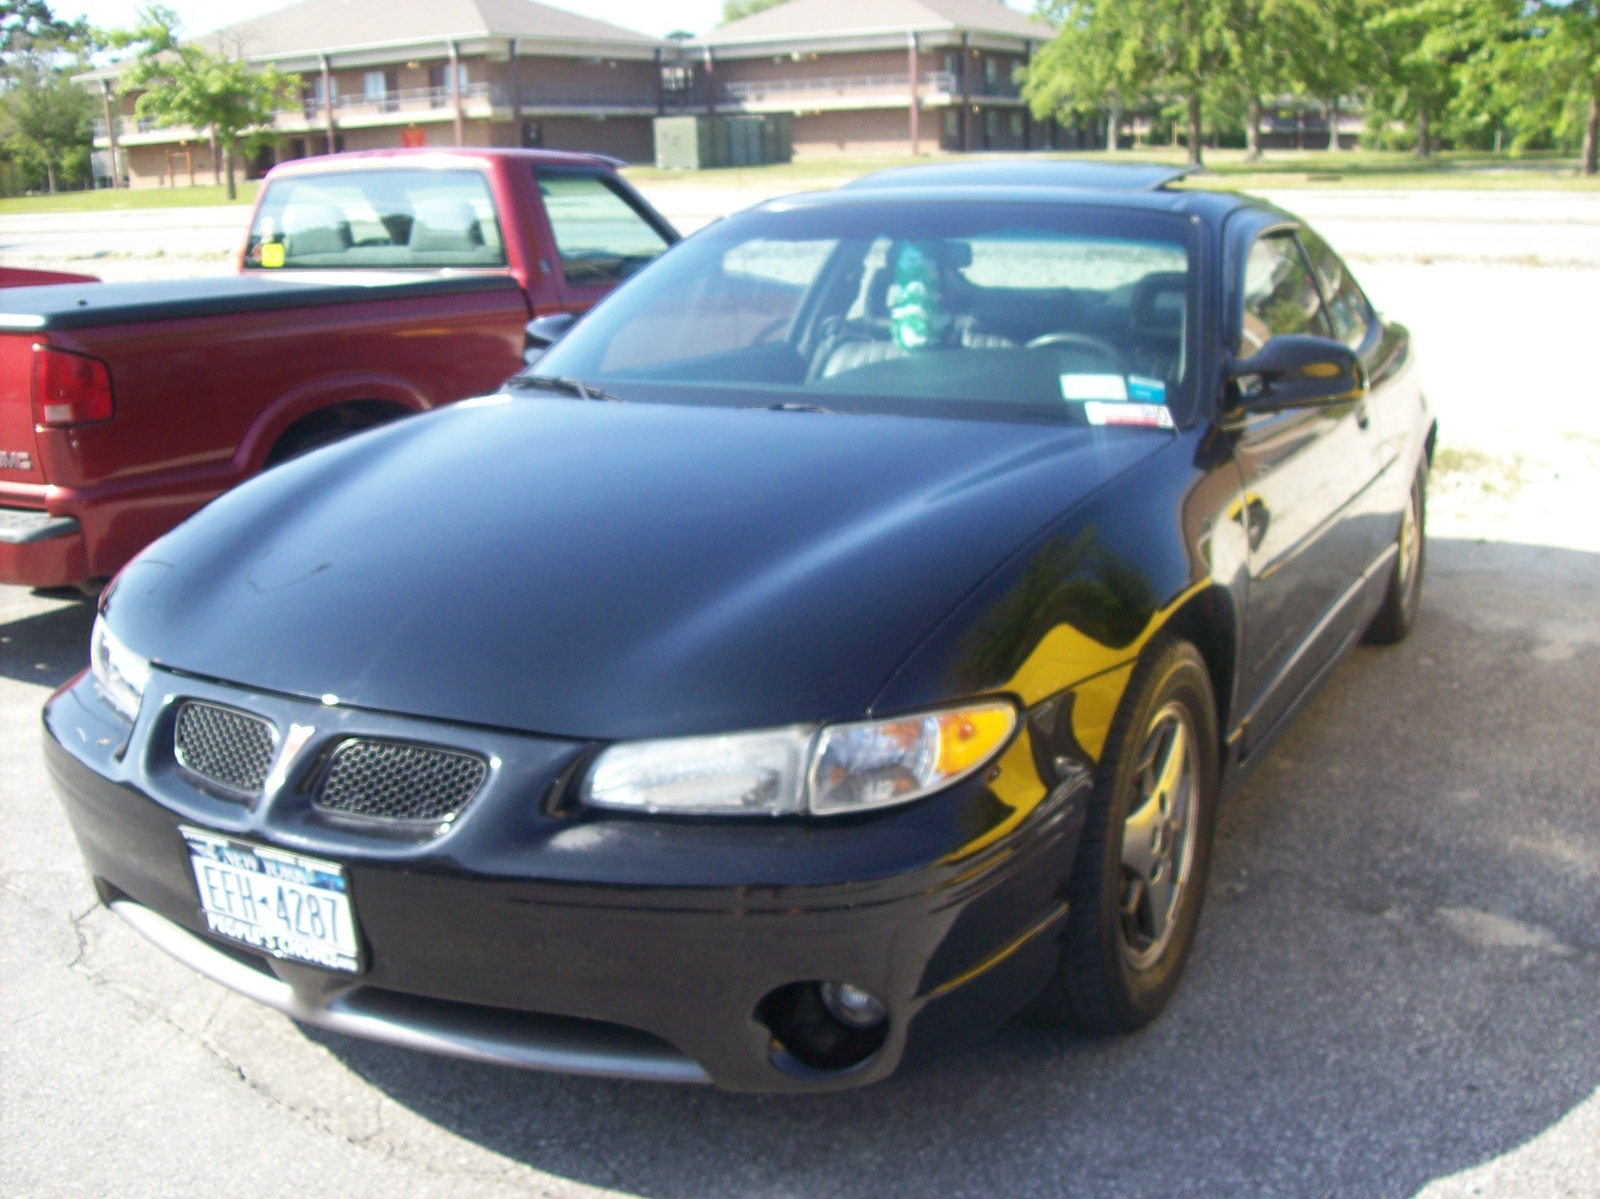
(19, 454)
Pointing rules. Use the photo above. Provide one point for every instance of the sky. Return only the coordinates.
(657, 17)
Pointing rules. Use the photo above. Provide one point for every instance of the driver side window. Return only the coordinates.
(1280, 295)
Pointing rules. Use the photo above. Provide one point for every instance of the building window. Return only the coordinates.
(991, 75)
(1016, 124)
(952, 123)
(439, 82)
(991, 127)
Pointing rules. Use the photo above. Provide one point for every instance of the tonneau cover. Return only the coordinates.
(87, 305)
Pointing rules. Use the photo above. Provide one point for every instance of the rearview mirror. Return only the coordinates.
(1296, 371)
(542, 332)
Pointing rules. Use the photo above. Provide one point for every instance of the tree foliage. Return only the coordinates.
(187, 83)
(1461, 72)
(737, 10)
(46, 119)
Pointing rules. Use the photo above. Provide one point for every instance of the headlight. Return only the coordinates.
(121, 673)
(881, 762)
(837, 769)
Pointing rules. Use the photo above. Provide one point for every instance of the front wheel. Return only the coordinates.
(1403, 599)
(1139, 880)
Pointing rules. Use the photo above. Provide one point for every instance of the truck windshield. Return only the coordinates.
(989, 310)
(376, 218)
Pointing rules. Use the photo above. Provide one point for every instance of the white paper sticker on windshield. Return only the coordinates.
(1093, 387)
(1150, 416)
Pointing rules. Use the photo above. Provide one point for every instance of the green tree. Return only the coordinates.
(1558, 69)
(1095, 63)
(1111, 51)
(737, 10)
(1331, 52)
(1260, 37)
(29, 30)
(1411, 76)
(185, 83)
(46, 119)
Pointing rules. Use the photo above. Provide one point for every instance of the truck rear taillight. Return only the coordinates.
(69, 389)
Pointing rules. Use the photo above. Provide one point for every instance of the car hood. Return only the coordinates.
(606, 570)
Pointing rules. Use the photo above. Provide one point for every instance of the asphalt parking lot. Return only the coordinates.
(1396, 989)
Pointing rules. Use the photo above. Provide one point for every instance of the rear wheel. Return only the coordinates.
(1403, 599)
(1139, 880)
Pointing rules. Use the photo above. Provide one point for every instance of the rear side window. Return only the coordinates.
(377, 218)
(600, 236)
(1280, 295)
(1347, 306)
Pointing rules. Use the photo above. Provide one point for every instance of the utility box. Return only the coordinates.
(698, 143)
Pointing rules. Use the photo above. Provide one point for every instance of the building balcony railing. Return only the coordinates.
(754, 91)
(125, 125)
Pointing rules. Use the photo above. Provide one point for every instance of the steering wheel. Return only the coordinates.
(1084, 341)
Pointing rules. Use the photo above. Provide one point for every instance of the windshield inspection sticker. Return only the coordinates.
(1093, 387)
(272, 254)
(1151, 416)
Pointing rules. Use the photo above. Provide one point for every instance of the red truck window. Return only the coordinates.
(377, 218)
(601, 237)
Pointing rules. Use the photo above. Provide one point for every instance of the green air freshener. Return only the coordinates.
(916, 304)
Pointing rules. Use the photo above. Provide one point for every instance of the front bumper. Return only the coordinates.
(587, 942)
(40, 550)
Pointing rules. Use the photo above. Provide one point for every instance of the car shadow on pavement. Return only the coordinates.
(49, 647)
(1395, 979)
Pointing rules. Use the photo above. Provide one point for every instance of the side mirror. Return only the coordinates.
(542, 332)
(1296, 371)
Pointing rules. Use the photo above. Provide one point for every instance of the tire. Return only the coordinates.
(1397, 615)
(1120, 962)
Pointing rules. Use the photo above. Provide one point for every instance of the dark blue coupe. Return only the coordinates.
(833, 644)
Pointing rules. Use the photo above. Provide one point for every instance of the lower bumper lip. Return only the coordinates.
(531, 1042)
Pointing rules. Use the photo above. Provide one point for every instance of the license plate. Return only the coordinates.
(279, 903)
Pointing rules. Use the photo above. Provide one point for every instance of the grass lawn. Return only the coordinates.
(107, 200)
(1225, 169)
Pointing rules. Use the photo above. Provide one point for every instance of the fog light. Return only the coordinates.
(851, 1006)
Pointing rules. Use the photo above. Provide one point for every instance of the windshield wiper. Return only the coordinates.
(566, 386)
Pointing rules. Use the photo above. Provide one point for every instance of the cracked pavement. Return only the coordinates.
(1396, 990)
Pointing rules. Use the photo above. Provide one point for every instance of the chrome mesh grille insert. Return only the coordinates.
(390, 780)
(225, 747)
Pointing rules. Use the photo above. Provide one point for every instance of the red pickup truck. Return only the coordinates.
(370, 286)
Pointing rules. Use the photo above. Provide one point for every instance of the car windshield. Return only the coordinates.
(376, 218)
(961, 308)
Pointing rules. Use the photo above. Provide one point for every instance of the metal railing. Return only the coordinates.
(757, 90)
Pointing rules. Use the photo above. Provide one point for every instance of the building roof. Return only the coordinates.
(328, 26)
(813, 20)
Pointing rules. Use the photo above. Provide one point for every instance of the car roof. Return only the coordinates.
(1095, 176)
(421, 155)
(1087, 185)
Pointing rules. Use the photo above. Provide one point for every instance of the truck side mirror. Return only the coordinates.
(542, 332)
(1295, 371)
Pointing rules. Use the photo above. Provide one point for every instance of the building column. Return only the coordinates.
(711, 84)
(516, 91)
(966, 92)
(1027, 113)
(455, 92)
(111, 131)
(916, 101)
(661, 89)
(327, 100)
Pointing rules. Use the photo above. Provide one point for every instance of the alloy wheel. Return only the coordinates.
(1158, 836)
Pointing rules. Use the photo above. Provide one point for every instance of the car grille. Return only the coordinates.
(389, 780)
(224, 747)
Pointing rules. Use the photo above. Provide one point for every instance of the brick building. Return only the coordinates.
(381, 73)
(878, 76)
